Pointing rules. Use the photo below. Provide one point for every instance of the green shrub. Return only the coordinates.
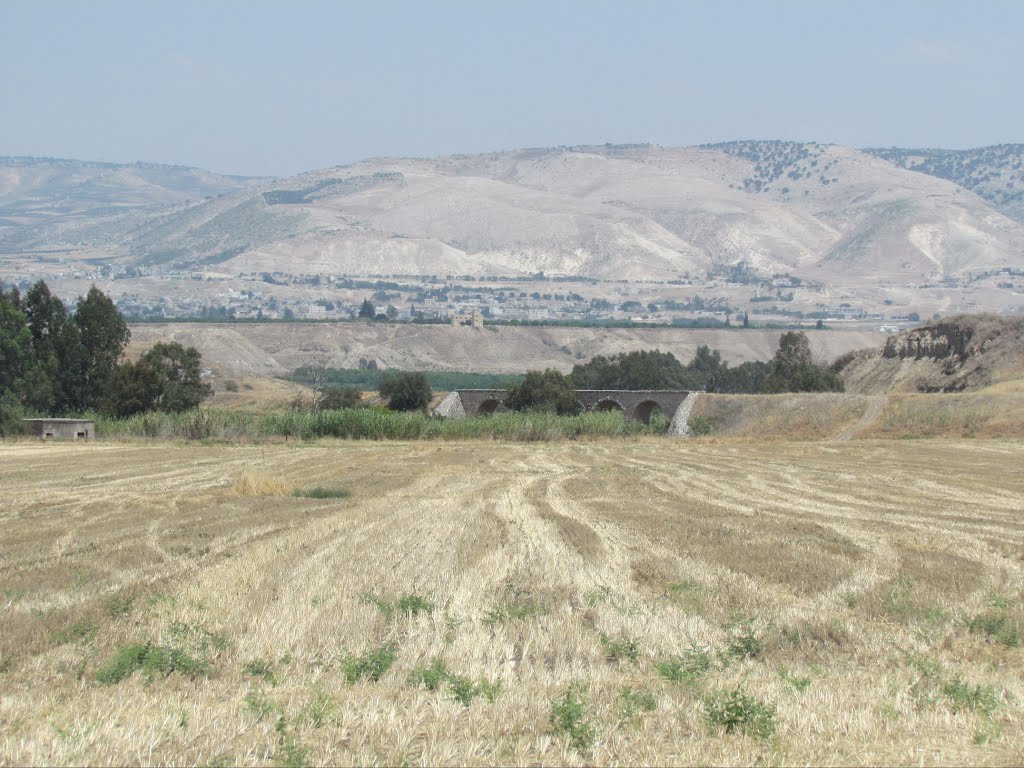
(618, 648)
(153, 660)
(735, 710)
(464, 690)
(261, 669)
(84, 630)
(406, 605)
(512, 610)
(976, 698)
(197, 637)
(119, 605)
(436, 675)
(548, 391)
(797, 683)
(633, 701)
(699, 425)
(336, 398)
(569, 717)
(259, 705)
(743, 641)
(319, 492)
(370, 665)
(406, 391)
(431, 677)
(998, 626)
(293, 754)
(688, 668)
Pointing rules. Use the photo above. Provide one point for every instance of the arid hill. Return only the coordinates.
(966, 352)
(827, 213)
(275, 348)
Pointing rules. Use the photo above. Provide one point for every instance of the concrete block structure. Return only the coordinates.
(62, 429)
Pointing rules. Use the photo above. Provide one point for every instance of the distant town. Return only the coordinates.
(738, 298)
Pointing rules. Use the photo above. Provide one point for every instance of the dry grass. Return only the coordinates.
(863, 594)
(791, 416)
(996, 412)
(256, 483)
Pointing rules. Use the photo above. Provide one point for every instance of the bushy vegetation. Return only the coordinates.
(791, 370)
(153, 660)
(569, 717)
(544, 391)
(735, 710)
(370, 424)
(56, 362)
(320, 492)
(436, 675)
(369, 665)
(368, 378)
(406, 391)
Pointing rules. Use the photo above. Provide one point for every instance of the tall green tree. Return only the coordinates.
(645, 369)
(544, 391)
(406, 391)
(793, 368)
(168, 377)
(180, 373)
(17, 362)
(104, 335)
(57, 347)
(133, 388)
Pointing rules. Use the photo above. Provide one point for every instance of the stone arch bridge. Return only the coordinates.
(635, 404)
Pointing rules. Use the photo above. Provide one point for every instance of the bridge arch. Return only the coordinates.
(647, 408)
(488, 407)
(608, 404)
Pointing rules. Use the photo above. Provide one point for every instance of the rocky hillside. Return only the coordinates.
(966, 352)
(826, 213)
(42, 197)
(994, 173)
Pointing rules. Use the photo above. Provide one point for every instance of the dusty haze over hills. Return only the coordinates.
(823, 212)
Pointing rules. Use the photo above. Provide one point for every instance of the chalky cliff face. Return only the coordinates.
(957, 354)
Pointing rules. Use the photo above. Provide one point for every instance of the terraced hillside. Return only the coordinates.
(655, 602)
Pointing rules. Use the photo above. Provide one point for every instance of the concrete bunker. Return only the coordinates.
(62, 429)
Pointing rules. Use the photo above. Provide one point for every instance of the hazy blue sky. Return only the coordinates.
(263, 88)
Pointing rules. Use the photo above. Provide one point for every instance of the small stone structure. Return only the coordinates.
(636, 405)
(62, 429)
(474, 319)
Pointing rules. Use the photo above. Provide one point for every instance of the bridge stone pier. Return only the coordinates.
(636, 405)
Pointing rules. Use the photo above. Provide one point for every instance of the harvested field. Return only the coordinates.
(581, 602)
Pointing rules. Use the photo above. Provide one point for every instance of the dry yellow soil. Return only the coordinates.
(863, 594)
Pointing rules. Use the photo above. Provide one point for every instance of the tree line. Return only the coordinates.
(792, 369)
(57, 362)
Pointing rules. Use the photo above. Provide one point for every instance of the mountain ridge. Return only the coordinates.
(633, 211)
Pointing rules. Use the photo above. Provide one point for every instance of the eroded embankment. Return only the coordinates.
(995, 413)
